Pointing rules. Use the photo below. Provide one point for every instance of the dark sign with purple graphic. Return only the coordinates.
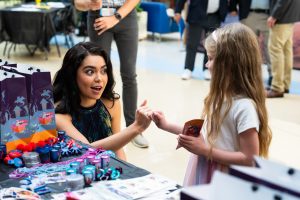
(36, 93)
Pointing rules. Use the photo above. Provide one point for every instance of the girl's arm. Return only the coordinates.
(115, 113)
(248, 142)
(161, 122)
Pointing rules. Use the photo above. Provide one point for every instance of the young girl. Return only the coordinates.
(88, 109)
(236, 121)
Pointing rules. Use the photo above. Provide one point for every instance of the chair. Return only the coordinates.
(158, 20)
(64, 23)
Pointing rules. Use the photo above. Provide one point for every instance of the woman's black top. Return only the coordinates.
(93, 122)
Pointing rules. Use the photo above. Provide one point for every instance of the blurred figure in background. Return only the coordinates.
(110, 20)
(254, 14)
(283, 15)
(204, 15)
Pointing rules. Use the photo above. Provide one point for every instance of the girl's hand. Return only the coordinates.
(159, 119)
(193, 144)
(104, 23)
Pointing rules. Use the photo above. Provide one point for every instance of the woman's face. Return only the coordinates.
(91, 79)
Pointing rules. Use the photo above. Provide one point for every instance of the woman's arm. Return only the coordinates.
(248, 142)
(118, 140)
(64, 123)
(115, 113)
(85, 5)
(115, 141)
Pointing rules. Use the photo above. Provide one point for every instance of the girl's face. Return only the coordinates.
(210, 61)
(91, 79)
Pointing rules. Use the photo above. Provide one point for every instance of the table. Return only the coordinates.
(129, 171)
(30, 25)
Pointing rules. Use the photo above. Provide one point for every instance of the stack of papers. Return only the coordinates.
(56, 4)
(148, 187)
(26, 9)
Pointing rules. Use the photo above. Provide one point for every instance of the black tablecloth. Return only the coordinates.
(129, 171)
(34, 27)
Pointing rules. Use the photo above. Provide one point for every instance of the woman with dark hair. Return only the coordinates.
(87, 107)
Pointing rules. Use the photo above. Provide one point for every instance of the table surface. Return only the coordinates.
(128, 171)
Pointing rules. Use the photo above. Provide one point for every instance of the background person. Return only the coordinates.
(254, 14)
(204, 15)
(283, 15)
(117, 20)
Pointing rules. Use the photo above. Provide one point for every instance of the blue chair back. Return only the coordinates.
(158, 20)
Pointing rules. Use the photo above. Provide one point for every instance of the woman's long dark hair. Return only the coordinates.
(66, 92)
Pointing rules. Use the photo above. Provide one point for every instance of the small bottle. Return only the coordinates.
(2, 151)
(61, 135)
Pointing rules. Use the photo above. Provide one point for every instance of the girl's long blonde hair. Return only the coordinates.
(236, 71)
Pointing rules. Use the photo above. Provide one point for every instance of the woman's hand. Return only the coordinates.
(142, 116)
(104, 23)
(193, 144)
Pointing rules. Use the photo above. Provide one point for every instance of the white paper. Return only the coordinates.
(148, 187)
(56, 4)
(26, 9)
(138, 187)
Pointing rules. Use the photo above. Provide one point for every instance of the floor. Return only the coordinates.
(159, 66)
